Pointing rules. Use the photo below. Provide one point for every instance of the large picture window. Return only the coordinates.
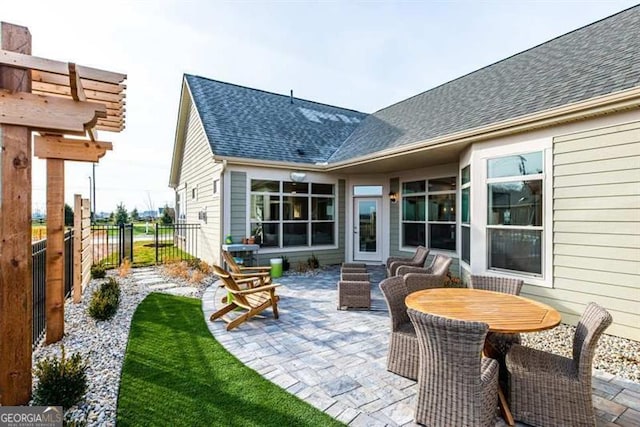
(429, 213)
(515, 213)
(287, 214)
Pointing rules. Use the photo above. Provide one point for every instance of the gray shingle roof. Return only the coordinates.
(601, 58)
(250, 123)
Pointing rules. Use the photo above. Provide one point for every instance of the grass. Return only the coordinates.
(146, 255)
(175, 373)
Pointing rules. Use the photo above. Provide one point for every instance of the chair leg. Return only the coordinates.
(224, 310)
(238, 320)
(274, 304)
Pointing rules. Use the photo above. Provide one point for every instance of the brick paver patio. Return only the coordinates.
(335, 360)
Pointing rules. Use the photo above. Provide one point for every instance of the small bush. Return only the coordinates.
(177, 269)
(125, 268)
(193, 262)
(313, 262)
(451, 281)
(302, 267)
(205, 268)
(98, 271)
(61, 382)
(104, 301)
(197, 276)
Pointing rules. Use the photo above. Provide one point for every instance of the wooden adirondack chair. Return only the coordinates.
(240, 272)
(254, 300)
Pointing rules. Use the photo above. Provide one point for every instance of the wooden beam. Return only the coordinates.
(54, 294)
(16, 291)
(79, 150)
(28, 62)
(77, 248)
(92, 95)
(49, 114)
(75, 85)
(57, 79)
(109, 127)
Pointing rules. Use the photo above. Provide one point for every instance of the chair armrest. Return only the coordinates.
(406, 269)
(489, 376)
(521, 359)
(257, 289)
(247, 275)
(257, 268)
(392, 259)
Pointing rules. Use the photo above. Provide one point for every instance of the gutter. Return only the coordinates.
(618, 101)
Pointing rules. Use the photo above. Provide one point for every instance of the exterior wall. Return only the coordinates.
(596, 239)
(394, 220)
(239, 215)
(198, 172)
(592, 216)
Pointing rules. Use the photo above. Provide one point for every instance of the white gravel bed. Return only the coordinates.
(614, 355)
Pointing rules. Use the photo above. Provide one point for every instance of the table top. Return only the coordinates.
(502, 312)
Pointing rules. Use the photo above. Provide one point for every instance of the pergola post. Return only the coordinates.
(15, 234)
(55, 251)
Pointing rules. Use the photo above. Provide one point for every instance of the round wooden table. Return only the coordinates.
(502, 312)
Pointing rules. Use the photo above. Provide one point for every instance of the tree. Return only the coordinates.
(134, 215)
(166, 216)
(121, 216)
(68, 215)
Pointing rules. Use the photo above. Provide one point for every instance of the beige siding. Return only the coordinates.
(596, 213)
(199, 171)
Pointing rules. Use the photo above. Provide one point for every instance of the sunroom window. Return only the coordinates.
(465, 217)
(289, 214)
(428, 213)
(515, 213)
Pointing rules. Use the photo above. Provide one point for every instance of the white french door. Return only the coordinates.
(367, 245)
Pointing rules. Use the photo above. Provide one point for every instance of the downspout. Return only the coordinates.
(222, 201)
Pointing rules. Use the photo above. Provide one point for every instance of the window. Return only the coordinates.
(286, 214)
(514, 213)
(465, 217)
(428, 212)
(194, 193)
(216, 184)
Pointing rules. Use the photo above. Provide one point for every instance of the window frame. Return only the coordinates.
(427, 222)
(309, 195)
(542, 278)
(466, 225)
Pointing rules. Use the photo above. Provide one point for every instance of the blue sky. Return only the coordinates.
(360, 55)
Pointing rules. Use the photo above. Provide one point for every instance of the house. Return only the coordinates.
(529, 167)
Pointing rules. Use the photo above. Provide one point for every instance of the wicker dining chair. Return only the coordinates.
(456, 385)
(546, 389)
(498, 344)
(417, 260)
(402, 358)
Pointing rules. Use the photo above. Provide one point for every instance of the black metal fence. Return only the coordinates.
(143, 244)
(39, 282)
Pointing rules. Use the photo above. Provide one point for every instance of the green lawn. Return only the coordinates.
(146, 255)
(175, 373)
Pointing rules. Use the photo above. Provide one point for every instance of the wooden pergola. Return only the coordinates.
(66, 104)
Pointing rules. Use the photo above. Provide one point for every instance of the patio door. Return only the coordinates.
(367, 229)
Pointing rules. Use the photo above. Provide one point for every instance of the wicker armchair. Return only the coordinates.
(498, 344)
(456, 386)
(402, 358)
(550, 390)
(439, 266)
(417, 260)
(417, 281)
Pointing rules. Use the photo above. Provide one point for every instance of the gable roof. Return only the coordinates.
(599, 59)
(251, 123)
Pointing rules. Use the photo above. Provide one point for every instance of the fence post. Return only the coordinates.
(157, 245)
(120, 243)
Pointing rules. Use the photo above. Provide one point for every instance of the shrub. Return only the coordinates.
(197, 276)
(313, 261)
(104, 301)
(61, 381)
(178, 269)
(285, 264)
(451, 281)
(205, 268)
(125, 268)
(98, 271)
(302, 267)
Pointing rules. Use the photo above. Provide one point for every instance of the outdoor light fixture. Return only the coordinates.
(393, 196)
(297, 176)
